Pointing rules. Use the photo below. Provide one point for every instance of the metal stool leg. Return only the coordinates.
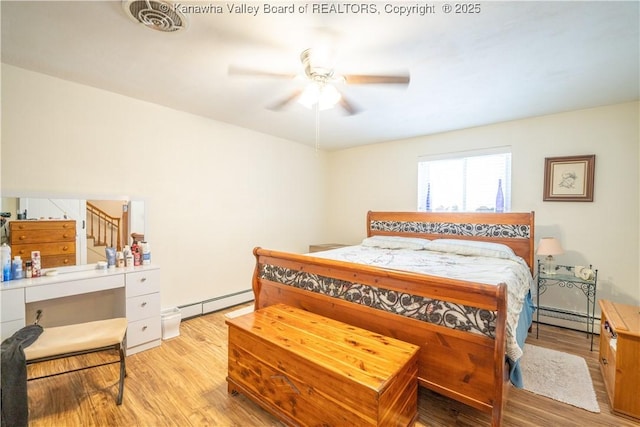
(123, 373)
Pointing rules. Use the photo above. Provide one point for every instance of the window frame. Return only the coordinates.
(506, 181)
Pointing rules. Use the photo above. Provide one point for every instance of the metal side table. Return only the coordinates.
(564, 277)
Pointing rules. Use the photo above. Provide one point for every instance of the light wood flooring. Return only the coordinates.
(182, 383)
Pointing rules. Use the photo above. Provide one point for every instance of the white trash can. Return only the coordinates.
(171, 322)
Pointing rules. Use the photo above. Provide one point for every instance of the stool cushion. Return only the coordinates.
(79, 337)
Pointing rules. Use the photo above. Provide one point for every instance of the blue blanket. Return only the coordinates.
(524, 322)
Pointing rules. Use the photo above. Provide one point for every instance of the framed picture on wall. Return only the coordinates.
(569, 179)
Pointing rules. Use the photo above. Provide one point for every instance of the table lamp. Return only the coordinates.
(549, 246)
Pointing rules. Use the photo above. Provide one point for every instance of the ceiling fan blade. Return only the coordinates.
(359, 79)
(285, 101)
(348, 106)
(241, 71)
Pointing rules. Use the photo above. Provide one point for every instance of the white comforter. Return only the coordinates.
(511, 270)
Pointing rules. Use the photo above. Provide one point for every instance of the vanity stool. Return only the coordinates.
(82, 338)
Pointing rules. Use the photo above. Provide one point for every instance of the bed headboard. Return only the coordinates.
(514, 229)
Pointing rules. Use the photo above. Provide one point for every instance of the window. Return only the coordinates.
(466, 181)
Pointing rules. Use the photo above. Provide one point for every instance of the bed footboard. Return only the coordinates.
(459, 326)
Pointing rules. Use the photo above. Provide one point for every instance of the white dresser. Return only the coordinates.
(84, 294)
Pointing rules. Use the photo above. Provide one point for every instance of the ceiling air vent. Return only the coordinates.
(158, 15)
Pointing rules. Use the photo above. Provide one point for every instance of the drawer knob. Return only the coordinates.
(144, 328)
(144, 279)
(605, 361)
(22, 237)
(65, 248)
(144, 304)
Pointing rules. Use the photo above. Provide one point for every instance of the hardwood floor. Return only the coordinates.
(182, 383)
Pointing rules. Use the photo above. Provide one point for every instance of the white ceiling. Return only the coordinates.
(511, 60)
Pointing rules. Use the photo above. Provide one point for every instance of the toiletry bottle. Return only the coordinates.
(36, 261)
(110, 253)
(146, 253)
(119, 259)
(28, 269)
(128, 256)
(135, 250)
(6, 262)
(16, 268)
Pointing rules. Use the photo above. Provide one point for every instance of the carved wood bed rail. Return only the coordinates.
(460, 326)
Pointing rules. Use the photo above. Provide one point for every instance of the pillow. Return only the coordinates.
(472, 247)
(396, 242)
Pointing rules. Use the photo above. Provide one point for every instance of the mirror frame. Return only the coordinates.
(70, 196)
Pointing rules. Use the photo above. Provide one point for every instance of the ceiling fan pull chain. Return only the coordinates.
(317, 127)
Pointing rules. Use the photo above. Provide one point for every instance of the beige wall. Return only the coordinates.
(213, 191)
(604, 233)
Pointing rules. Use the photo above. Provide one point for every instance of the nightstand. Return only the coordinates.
(564, 277)
(325, 247)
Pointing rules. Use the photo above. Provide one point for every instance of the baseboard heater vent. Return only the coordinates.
(215, 304)
(191, 310)
(567, 319)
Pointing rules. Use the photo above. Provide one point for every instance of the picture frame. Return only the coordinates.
(569, 178)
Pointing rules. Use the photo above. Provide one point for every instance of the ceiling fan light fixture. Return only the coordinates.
(325, 96)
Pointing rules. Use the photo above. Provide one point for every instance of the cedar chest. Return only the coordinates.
(310, 370)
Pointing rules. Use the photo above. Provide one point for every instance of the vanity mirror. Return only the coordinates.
(99, 221)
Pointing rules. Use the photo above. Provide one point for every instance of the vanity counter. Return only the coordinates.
(84, 293)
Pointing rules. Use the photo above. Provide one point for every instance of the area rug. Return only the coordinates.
(559, 376)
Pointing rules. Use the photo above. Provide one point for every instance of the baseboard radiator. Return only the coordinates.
(215, 304)
(566, 319)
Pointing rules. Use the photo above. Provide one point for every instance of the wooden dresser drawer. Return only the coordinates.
(42, 225)
(310, 370)
(58, 261)
(46, 249)
(42, 236)
(607, 358)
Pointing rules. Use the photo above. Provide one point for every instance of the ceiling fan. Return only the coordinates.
(320, 90)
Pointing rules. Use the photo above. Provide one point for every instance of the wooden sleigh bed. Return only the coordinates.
(454, 360)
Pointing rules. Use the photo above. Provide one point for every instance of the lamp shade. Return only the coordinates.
(549, 246)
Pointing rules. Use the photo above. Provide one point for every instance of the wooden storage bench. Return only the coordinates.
(309, 370)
